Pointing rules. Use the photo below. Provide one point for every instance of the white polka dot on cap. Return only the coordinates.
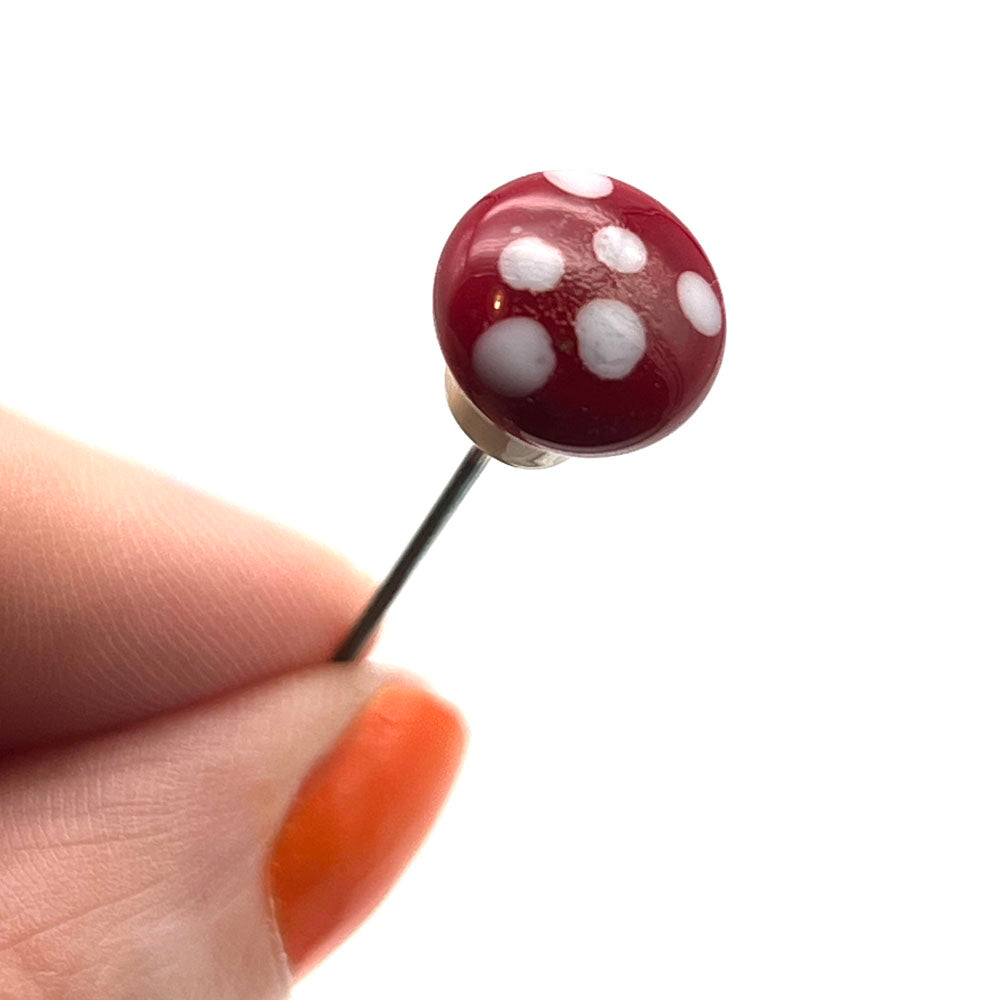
(620, 249)
(514, 357)
(531, 264)
(699, 303)
(611, 338)
(580, 182)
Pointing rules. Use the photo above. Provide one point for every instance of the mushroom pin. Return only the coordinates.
(577, 316)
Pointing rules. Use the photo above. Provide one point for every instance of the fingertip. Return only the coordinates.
(360, 816)
(135, 594)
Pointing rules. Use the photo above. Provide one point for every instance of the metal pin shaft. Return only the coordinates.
(465, 475)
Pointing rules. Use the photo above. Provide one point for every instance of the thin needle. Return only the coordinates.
(465, 475)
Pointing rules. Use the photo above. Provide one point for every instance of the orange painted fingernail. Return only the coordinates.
(360, 816)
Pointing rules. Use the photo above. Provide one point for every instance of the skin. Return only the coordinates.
(163, 696)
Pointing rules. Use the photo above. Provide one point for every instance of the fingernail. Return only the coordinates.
(360, 816)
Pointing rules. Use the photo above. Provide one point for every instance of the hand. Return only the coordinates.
(193, 802)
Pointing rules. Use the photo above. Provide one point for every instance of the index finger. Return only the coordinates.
(123, 594)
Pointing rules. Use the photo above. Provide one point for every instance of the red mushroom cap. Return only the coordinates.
(578, 314)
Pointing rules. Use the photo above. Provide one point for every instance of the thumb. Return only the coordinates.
(223, 850)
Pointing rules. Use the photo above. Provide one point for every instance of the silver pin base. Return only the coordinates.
(491, 439)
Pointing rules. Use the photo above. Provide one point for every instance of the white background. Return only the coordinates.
(733, 698)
